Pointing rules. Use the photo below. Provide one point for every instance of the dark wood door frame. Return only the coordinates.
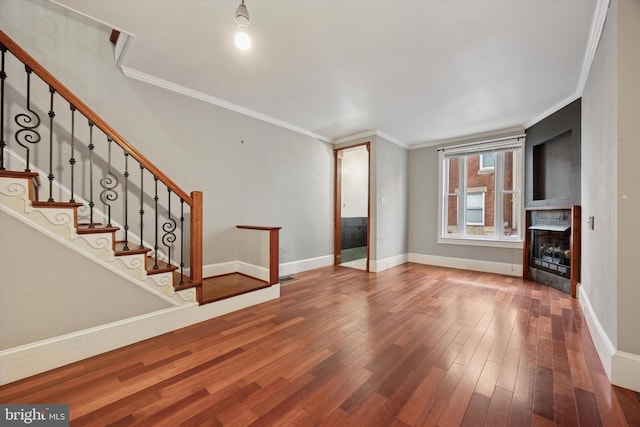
(337, 202)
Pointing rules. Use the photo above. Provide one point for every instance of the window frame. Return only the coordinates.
(463, 152)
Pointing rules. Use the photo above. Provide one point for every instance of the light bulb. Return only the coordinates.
(242, 39)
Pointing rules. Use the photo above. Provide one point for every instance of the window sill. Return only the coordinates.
(511, 244)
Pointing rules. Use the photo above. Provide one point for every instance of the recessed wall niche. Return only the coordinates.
(552, 160)
(553, 168)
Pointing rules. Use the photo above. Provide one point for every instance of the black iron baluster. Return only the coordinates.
(155, 200)
(126, 201)
(52, 91)
(91, 147)
(141, 205)
(72, 160)
(181, 241)
(28, 123)
(3, 76)
(169, 228)
(109, 183)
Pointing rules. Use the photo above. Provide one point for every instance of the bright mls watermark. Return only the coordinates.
(53, 415)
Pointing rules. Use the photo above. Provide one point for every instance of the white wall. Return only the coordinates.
(355, 182)
(610, 288)
(250, 172)
(39, 299)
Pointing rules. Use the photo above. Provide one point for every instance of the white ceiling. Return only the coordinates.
(416, 71)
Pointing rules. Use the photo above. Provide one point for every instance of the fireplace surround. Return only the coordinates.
(552, 247)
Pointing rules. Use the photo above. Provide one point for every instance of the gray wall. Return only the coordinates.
(628, 176)
(599, 190)
(390, 198)
(423, 215)
(40, 300)
(610, 191)
(250, 172)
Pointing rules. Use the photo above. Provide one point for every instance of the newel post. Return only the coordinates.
(196, 237)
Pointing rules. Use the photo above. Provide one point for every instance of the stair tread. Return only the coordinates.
(56, 204)
(119, 250)
(97, 228)
(187, 283)
(163, 267)
(18, 174)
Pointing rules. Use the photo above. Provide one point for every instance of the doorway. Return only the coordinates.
(351, 201)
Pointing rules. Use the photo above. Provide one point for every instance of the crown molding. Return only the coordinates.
(477, 137)
(368, 133)
(597, 25)
(201, 96)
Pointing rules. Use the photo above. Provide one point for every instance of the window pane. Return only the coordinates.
(509, 183)
(510, 215)
(487, 161)
(452, 215)
(454, 175)
(475, 209)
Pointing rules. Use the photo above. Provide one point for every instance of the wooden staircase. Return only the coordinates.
(61, 219)
(169, 264)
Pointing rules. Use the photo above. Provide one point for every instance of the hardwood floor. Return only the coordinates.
(415, 345)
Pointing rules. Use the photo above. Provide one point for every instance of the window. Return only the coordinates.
(475, 209)
(487, 162)
(481, 192)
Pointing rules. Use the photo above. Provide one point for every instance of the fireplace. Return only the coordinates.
(552, 247)
(552, 192)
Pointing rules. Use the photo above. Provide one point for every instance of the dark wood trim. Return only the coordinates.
(195, 241)
(576, 232)
(65, 93)
(525, 247)
(368, 205)
(18, 174)
(337, 202)
(274, 255)
(337, 211)
(274, 249)
(114, 36)
(258, 227)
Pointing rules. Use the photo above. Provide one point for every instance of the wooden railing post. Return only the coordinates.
(274, 255)
(196, 237)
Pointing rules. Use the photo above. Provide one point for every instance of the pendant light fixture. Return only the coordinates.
(242, 39)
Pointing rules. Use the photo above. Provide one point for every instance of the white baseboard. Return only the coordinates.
(23, 361)
(626, 370)
(376, 266)
(211, 270)
(622, 368)
(294, 267)
(604, 346)
(503, 268)
(219, 269)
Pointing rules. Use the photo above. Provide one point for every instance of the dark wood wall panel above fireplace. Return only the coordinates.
(552, 160)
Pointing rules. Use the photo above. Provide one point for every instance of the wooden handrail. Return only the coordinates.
(194, 200)
(49, 79)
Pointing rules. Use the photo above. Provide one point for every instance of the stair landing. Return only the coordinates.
(229, 285)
